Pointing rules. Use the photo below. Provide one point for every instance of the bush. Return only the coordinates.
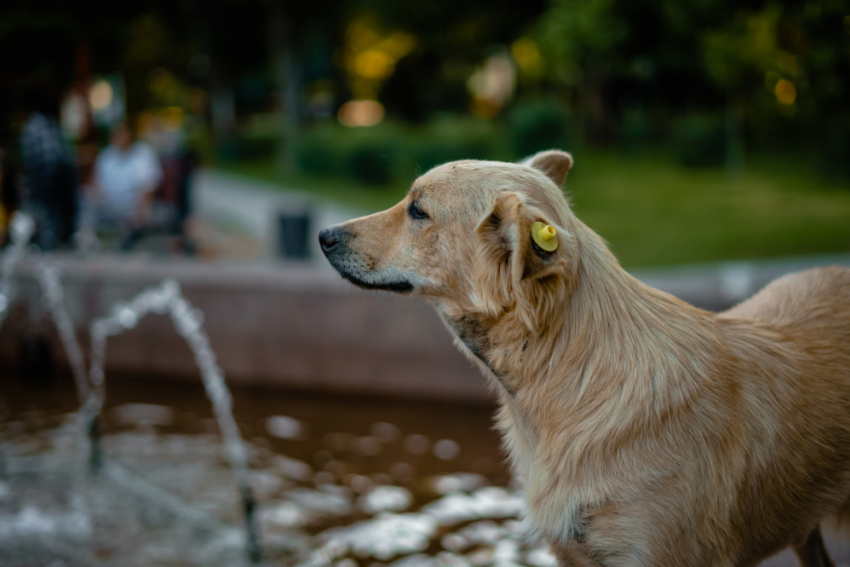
(699, 140)
(536, 126)
(436, 152)
(317, 154)
(253, 148)
(364, 155)
(371, 162)
(636, 130)
(377, 155)
(833, 149)
(453, 138)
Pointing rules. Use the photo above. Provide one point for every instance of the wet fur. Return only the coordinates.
(647, 431)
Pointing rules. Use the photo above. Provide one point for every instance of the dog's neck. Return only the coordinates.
(614, 351)
(616, 355)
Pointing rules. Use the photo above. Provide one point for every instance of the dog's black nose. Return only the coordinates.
(328, 240)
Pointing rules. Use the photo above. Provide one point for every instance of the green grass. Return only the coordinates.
(654, 213)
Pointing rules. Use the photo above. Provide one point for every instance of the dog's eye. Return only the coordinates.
(416, 212)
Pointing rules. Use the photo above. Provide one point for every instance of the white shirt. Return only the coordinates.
(123, 177)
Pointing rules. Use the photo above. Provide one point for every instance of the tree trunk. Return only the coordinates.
(286, 74)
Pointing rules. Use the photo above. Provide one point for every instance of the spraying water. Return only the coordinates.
(21, 230)
(390, 533)
(51, 289)
(168, 299)
(163, 299)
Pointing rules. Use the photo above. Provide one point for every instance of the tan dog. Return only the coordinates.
(648, 432)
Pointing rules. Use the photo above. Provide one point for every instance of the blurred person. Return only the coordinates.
(178, 166)
(187, 163)
(50, 176)
(127, 174)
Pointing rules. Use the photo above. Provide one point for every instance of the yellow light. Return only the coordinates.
(356, 113)
(785, 92)
(484, 107)
(525, 53)
(374, 64)
(398, 45)
(100, 95)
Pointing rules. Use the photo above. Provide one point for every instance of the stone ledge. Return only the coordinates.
(301, 326)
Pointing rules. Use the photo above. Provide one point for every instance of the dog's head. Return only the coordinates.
(462, 237)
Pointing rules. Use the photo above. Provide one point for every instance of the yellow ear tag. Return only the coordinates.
(544, 236)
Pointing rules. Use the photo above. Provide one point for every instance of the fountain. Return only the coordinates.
(337, 516)
(21, 230)
(165, 299)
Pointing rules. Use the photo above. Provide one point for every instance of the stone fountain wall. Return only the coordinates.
(298, 326)
(301, 326)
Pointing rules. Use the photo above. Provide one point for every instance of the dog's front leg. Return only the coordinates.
(812, 552)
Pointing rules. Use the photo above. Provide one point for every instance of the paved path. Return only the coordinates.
(251, 208)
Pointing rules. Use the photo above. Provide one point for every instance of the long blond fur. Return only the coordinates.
(648, 432)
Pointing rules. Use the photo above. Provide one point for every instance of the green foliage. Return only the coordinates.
(699, 140)
(371, 163)
(452, 138)
(745, 48)
(536, 126)
(381, 154)
(580, 30)
(833, 157)
(637, 130)
(318, 153)
(369, 156)
(250, 148)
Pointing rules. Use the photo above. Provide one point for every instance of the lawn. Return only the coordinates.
(654, 213)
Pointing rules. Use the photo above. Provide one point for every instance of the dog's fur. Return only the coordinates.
(648, 432)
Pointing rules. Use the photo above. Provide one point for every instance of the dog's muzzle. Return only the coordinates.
(334, 244)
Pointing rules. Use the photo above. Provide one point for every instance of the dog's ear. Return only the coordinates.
(554, 163)
(514, 268)
(508, 235)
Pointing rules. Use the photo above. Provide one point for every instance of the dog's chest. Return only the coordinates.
(556, 504)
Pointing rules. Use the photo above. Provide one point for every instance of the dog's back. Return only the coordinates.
(814, 301)
(807, 382)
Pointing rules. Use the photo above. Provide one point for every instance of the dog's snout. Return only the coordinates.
(328, 239)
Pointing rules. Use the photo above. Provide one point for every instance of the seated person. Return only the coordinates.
(126, 175)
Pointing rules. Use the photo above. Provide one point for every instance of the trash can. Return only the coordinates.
(294, 234)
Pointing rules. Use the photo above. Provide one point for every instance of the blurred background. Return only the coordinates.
(701, 132)
(209, 141)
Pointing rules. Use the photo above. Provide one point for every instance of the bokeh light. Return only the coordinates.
(356, 113)
(100, 95)
(785, 92)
